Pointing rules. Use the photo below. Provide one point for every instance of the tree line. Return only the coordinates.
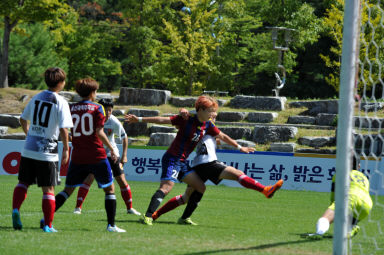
(185, 46)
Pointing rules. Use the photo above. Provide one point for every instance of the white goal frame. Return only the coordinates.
(348, 74)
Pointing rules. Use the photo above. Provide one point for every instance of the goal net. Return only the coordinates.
(361, 120)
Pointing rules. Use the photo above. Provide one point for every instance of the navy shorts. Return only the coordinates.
(173, 169)
(116, 169)
(210, 171)
(78, 172)
(32, 171)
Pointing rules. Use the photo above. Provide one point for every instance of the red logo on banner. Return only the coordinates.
(13, 157)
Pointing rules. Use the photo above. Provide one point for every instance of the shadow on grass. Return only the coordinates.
(154, 223)
(259, 247)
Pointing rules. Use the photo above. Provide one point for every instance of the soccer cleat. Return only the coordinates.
(147, 220)
(77, 210)
(354, 231)
(133, 211)
(47, 229)
(115, 229)
(16, 221)
(155, 216)
(42, 223)
(269, 191)
(186, 221)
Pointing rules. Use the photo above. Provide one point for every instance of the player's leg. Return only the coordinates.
(19, 195)
(156, 199)
(192, 179)
(170, 170)
(103, 175)
(47, 179)
(323, 223)
(27, 176)
(231, 173)
(125, 189)
(173, 203)
(126, 194)
(48, 206)
(83, 192)
(75, 177)
(110, 208)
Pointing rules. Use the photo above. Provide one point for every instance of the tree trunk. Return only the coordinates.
(8, 26)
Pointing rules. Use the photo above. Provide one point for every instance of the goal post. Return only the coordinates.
(348, 74)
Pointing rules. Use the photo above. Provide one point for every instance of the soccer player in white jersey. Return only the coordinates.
(45, 116)
(112, 127)
(207, 167)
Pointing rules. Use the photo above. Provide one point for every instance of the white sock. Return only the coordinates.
(322, 226)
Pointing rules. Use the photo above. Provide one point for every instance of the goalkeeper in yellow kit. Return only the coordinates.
(360, 203)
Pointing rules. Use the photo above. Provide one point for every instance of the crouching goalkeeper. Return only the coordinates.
(360, 203)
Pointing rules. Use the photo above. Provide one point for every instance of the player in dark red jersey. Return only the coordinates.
(88, 154)
(207, 167)
(174, 165)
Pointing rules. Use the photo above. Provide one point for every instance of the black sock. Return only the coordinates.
(60, 199)
(155, 202)
(110, 208)
(192, 204)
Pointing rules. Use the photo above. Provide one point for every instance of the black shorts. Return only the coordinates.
(116, 169)
(44, 173)
(210, 171)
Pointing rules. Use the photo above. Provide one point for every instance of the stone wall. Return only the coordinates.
(134, 96)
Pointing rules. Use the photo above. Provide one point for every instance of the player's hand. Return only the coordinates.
(184, 113)
(131, 118)
(247, 149)
(123, 159)
(113, 156)
(65, 157)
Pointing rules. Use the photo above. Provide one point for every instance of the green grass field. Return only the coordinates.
(231, 221)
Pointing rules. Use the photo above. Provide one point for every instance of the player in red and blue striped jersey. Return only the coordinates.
(174, 165)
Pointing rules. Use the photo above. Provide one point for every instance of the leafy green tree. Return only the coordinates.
(31, 52)
(291, 14)
(88, 51)
(234, 28)
(143, 40)
(186, 59)
(371, 52)
(24, 11)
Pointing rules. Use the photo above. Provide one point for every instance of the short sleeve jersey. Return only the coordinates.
(190, 132)
(205, 151)
(87, 116)
(113, 127)
(359, 184)
(47, 112)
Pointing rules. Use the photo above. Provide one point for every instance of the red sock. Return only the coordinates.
(127, 196)
(19, 195)
(250, 183)
(171, 204)
(49, 205)
(82, 194)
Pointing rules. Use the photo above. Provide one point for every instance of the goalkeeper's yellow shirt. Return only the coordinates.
(360, 201)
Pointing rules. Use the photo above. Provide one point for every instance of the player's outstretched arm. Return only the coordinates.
(131, 118)
(228, 140)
